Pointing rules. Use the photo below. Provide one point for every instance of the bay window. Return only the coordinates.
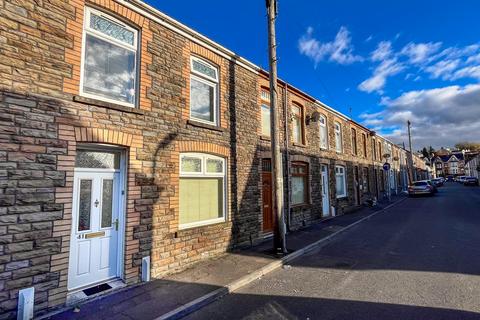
(340, 182)
(300, 183)
(203, 92)
(109, 60)
(202, 189)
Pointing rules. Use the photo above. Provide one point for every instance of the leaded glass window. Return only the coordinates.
(110, 60)
(203, 92)
(97, 159)
(112, 29)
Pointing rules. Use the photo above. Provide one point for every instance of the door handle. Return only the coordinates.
(116, 224)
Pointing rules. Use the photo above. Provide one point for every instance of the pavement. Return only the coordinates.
(180, 294)
(419, 260)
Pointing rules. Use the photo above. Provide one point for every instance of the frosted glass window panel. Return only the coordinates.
(109, 70)
(111, 29)
(202, 104)
(204, 69)
(107, 203)
(214, 166)
(191, 164)
(84, 205)
(266, 129)
(97, 159)
(298, 190)
(201, 199)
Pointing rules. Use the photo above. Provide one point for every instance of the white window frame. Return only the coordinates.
(323, 126)
(265, 102)
(203, 173)
(344, 176)
(338, 131)
(104, 37)
(269, 133)
(205, 79)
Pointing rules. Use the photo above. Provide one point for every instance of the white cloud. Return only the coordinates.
(467, 72)
(440, 116)
(340, 50)
(388, 66)
(419, 53)
(443, 68)
(383, 51)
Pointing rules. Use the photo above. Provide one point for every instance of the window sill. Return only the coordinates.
(205, 126)
(194, 225)
(342, 197)
(301, 145)
(265, 138)
(108, 105)
(300, 206)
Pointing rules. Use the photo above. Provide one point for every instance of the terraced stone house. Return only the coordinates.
(124, 134)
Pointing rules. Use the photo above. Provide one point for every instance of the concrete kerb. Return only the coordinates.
(208, 298)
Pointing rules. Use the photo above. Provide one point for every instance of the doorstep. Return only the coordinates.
(176, 295)
(79, 296)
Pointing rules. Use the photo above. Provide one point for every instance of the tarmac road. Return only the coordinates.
(418, 260)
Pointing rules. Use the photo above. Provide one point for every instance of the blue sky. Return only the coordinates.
(379, 62)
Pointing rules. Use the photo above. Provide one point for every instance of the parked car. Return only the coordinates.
(450, 179)
(470, 181)
(421, 188)
(438, 182)
(435, 190)
(460, 179)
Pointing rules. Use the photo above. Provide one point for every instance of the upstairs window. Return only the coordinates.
(265, 105)
(109, 59)
(374, 144)
(354, 142)
(203, 92)
(364, 143)
(338, 137)
(323, 132)
(297, 124)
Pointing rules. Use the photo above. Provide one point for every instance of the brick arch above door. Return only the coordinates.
(98, 135)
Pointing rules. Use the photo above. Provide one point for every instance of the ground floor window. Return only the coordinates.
(202, 189)
(340, 183)
(299, 183)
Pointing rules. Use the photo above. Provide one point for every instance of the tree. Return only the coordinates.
(425, 152)
(467, 145)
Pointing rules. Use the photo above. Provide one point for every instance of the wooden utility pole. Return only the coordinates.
(277, 178)
(410, 158)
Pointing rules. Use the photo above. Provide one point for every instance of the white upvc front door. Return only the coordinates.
(94, 245)
(325, 191)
